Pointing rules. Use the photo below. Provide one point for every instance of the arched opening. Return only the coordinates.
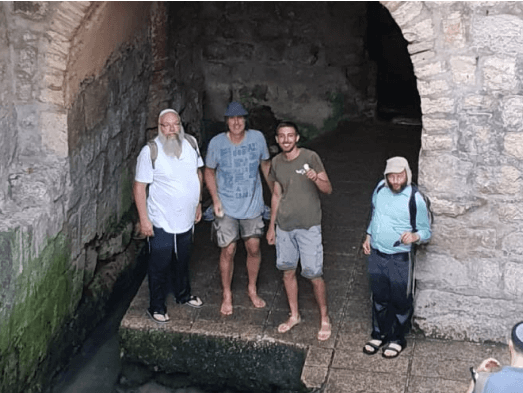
(396, 90)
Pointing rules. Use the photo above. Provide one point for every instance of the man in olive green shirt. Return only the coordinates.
(295, 227)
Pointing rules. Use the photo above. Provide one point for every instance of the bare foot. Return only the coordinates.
(226, 308)
(291, 322)
(257, 301)
(325, 331)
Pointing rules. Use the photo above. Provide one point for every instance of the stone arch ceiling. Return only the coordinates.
(66, 21)
(78, 48)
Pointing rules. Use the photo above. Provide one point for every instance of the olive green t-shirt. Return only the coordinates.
(300, 206)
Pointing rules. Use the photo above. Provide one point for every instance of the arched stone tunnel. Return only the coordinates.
(82, 83)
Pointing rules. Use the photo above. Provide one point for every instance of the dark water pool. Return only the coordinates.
(97, 367)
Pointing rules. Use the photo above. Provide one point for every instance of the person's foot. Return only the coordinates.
(158, 317)
(372, 346)
(193, 301)
(392, 350)
(257, 301)
(226, 308)
(325, 331)
(289, 324)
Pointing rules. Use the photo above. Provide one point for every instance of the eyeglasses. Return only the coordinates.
(170, 125)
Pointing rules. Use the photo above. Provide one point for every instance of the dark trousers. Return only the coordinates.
(392, 301)
(169, 268)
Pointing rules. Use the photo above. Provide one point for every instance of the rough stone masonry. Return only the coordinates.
(467, 57)
(81, 83)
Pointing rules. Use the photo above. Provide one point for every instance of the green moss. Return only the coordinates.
(41, 304)
(309, 131)
(247, 365)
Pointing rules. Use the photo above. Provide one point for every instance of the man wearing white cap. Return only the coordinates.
(171, 167)
(388, 243)
(233, 178)
(489, 377)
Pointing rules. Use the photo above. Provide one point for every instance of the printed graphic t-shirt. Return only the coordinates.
(237, 173)
(300, 205)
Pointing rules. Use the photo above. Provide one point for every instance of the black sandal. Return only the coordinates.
(396, 351)
(375, 348)
(158, 317)
(193, 301)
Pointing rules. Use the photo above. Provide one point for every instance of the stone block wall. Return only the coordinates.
(7, 115)
(36, 292)
(468, 59)
(306, 61)
(66, 166)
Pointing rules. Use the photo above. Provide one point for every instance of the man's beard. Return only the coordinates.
(172, 145)
(403, 186)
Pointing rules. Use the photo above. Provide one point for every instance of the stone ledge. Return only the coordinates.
(256, 366)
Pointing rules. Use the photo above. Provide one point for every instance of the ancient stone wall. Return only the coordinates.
(7, 115)
(306, 61)
(468, 59)
(68, 151)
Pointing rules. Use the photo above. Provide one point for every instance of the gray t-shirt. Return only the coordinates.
(237, 173)
(300, 206)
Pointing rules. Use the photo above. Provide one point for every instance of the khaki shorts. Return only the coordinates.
(227, 230)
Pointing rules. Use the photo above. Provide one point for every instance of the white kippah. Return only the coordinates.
(167, 111)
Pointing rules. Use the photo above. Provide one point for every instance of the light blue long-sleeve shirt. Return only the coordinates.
(391, 218)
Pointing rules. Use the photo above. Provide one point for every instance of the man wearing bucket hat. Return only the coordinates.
(488, 377)
(233, 178)
(170, 166)
(388, 243)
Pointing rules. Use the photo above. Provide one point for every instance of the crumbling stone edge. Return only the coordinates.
(254, 366)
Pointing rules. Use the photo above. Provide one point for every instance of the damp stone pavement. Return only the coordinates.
(354, 156)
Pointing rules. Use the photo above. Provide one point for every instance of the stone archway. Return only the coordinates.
(465, 56)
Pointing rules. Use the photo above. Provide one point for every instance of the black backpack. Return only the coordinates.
(154, 147)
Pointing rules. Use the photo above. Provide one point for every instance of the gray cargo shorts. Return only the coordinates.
(226, 230)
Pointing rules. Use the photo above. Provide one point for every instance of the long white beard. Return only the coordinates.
(172, 146)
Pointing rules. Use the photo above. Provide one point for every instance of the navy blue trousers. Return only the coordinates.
(168, 268)
(392, 302)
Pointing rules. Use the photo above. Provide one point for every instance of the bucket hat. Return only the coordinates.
(235, 109)
(398, 165)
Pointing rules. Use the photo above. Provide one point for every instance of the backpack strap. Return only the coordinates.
(378, 188)
(154, 147)
(413, 209)
(193, 142)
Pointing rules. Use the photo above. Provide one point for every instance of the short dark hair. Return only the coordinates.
(517, 337)
(287, 124)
